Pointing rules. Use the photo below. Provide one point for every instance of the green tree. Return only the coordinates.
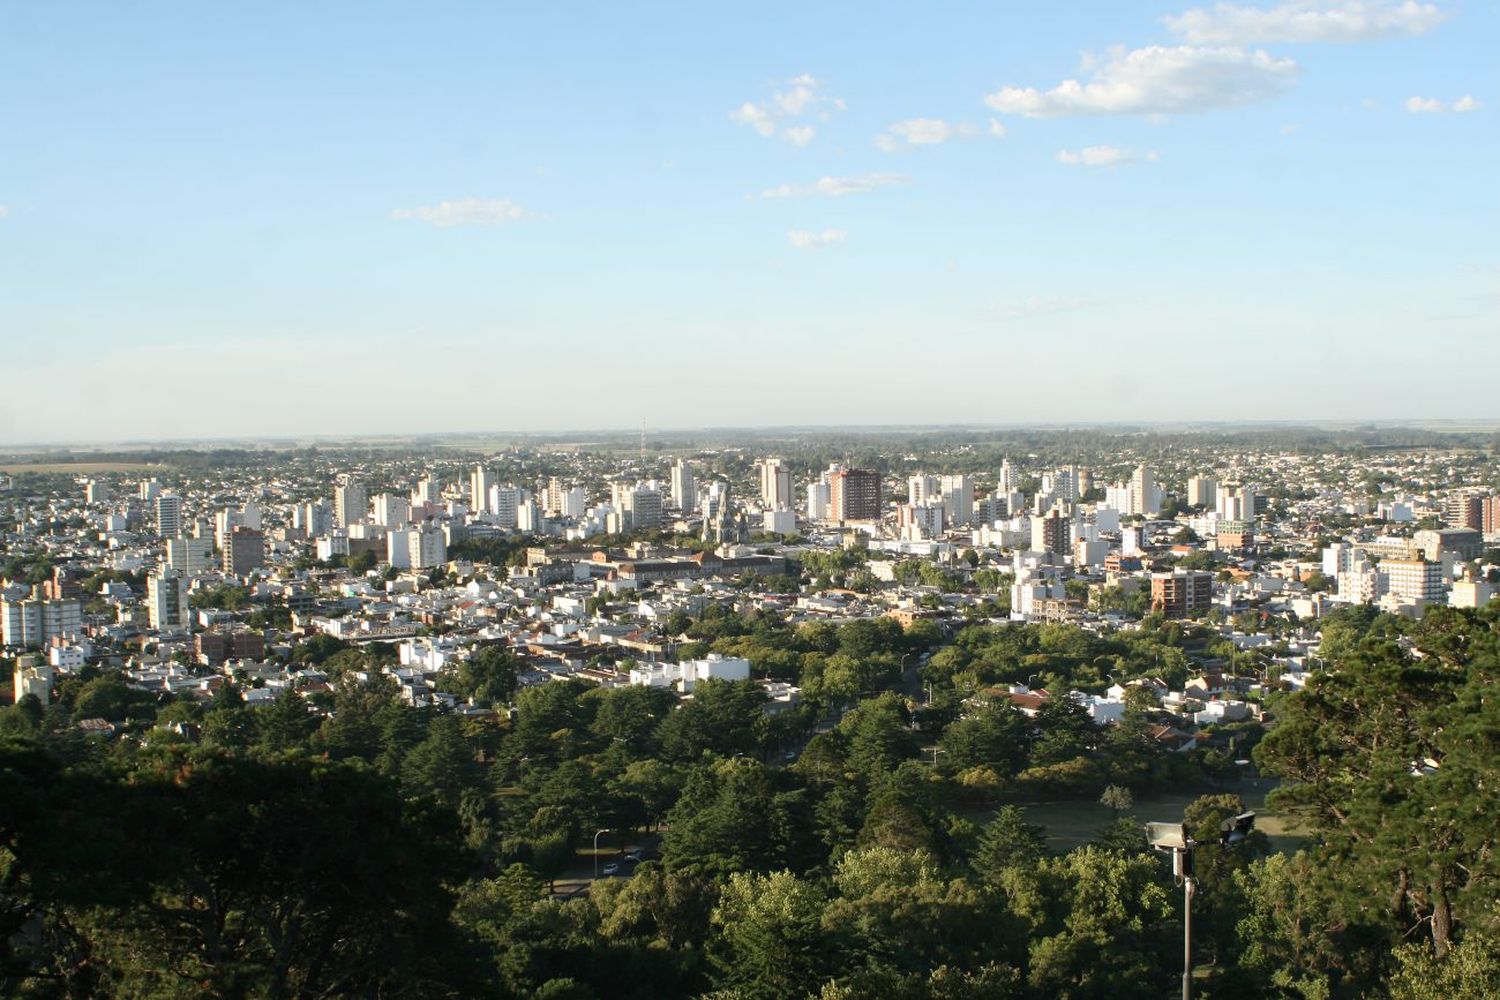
(1007, 842)
(442, 765)
(769, 941)
(1096, 924)
(1117, 800)
(285, 723)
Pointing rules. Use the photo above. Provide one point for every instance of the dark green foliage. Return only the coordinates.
(351, 845)
(1007, 842)
(484, 678)
(237, 875)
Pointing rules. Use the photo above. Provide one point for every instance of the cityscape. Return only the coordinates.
(959, 654)
(658, 501)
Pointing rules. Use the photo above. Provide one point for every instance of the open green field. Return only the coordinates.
(1072, 824)
(79, 468)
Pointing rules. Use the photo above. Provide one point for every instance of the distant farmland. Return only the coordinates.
(79, 468)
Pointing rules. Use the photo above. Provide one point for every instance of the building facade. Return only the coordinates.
(854, 495)
(1181, 594)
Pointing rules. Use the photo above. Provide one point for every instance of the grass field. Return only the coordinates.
(1071, 824)
(79, 468)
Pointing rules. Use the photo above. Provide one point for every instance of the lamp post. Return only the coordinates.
(596, 852)
(1173, 838)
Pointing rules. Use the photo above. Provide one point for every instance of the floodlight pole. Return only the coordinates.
(1173, 837)
(1189, 883)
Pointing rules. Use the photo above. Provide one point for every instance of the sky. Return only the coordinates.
(268, 219)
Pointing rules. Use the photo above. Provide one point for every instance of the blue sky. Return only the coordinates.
(235, 220)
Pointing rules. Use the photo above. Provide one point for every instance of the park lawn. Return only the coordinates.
(1073, 824)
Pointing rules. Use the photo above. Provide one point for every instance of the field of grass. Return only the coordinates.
(1072, 824)
(80, 468)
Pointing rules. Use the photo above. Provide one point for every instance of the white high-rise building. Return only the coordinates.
(480, 481)
(315, 519)
(529, 516)
(1234, 503)
(1007, 482)
(33, 676)
(169, 515)
(920, 521)
(1362, 582)
(191, 556)
(1062, 484)
(551, 496)
(775, 484)
(351, 504)
(503, 502)
(644, 507)
(1338, 558)
(392, 510)
(958, 500)
(638, 504)
(398, 547)
(1145, 497)
(1202, 491)
(921, 488)
(167, 600)
(684, 489)
(574, 502)
(817, 501)
(427, 547)
(1414, 580)
(34, 621)
(714, 501)
(226, 521)
(427, 491)
(1471, 594)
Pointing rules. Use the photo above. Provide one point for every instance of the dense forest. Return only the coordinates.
(869, 843)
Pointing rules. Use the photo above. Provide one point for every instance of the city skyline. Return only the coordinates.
(374, 220)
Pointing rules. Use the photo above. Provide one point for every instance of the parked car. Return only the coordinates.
(610, 868)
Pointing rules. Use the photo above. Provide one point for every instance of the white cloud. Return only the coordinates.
(807, 239)
(4, 211)
(1100, 156)
(835, 187)
(756, 117)
(1156, 80)
(928, 132)
(1305, 21)
(799, 135)
(923, 131)
(997, 128)
(1433, 106)
(467, 212)
(780, 115)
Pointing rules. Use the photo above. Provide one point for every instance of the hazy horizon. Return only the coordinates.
(673, 435)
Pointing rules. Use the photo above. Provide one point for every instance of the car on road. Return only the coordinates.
(634, 857)
(610, 868)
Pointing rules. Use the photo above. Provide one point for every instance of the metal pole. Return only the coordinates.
(1187, 936)
(596, 852)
